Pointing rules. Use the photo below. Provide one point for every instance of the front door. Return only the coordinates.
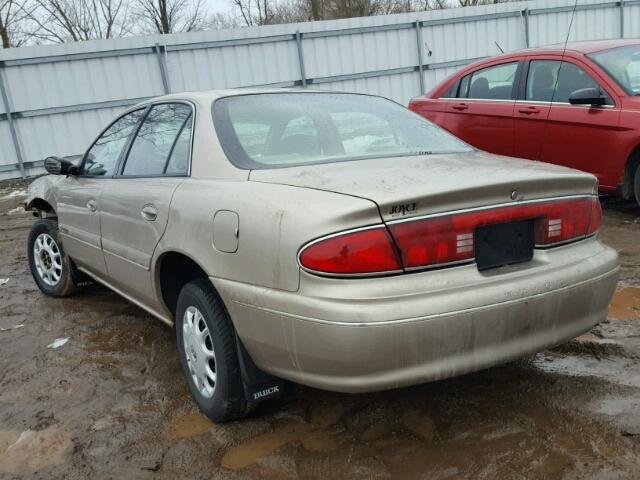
(575, 136)
(79, 221)
(135, 204)
(80, 197)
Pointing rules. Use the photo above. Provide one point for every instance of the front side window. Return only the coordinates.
(623, 64)
(491, 83)
(555, 81)
(102, 158)
(155, 143)
(274, 130)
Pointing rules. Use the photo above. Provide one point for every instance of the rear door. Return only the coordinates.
(482, 112)
(135, 205)
(549, 128)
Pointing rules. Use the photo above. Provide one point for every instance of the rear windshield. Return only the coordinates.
(623, 64)
(274, 130)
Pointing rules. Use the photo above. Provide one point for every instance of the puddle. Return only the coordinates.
(29, 451)
(624, 411)
(623, 372)
(315, 436)
(625, 304)
(420, 425)
(249, 452)
(189, 425)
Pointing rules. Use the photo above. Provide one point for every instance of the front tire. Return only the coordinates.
(208, 352)
(51, 268)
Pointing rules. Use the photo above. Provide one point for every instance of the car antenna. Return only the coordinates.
(498, 45)
(555, 86)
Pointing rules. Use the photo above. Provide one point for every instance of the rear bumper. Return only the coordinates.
(375, 334)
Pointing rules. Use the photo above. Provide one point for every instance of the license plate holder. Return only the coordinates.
(504, 244)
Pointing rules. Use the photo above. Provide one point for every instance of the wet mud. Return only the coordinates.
(111, 401)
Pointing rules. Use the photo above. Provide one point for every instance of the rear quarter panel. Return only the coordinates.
(274, 222)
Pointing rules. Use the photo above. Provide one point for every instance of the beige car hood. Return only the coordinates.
(419, 185)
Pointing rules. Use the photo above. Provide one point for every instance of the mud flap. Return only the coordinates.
(258, 385)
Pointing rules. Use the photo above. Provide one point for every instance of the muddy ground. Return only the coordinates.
(112, 403)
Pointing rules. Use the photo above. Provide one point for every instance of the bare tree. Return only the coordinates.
(170, 16)
(61, 21)
(13, 14)
(255, 12)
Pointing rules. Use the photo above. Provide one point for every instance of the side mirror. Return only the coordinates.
(587, 96)
(59, 166)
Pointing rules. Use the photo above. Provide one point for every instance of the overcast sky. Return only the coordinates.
(222, 6)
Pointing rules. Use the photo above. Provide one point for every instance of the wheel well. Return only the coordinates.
(176, 270)
(629, 171)
(41, 205)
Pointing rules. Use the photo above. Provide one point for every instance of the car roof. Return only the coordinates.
(581, 48)
(590, 46)
(209, 96)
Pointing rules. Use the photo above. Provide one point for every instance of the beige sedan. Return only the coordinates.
(334, 240)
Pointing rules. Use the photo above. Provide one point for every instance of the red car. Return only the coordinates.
(578, 107)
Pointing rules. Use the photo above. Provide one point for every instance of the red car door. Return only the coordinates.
(481, 113)
(576, 136)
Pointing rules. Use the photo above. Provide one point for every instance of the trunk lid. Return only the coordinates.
(411, 186)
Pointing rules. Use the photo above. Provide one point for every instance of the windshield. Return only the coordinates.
(623, 64)
(274, 130)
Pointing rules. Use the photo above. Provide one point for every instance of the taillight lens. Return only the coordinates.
(568, 220)
(359, 252)
(445, 239)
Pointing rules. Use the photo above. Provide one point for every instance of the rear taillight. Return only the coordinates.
(445, 239)
(568, 220)
(365, 251)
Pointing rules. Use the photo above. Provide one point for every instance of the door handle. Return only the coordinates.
(460, 106)
(91, 205)
(149, 212)
(528, 110)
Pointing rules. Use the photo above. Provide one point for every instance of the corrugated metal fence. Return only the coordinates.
(54, 99)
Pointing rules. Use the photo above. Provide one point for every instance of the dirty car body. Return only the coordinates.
(353, 245)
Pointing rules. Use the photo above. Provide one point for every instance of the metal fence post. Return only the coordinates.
(621, 18)
(4, 92)
(303, 74)
(525, 20)
(162, 63)
(418, 25)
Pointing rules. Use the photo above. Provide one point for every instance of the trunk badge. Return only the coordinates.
(514, 195)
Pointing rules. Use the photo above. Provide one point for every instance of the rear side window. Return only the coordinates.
(179, 159)
(553, 80)
(160, 142)
(491, 83)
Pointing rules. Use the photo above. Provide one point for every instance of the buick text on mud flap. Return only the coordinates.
(267, 392)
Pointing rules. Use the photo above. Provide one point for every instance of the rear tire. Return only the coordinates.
(52, 270)
(208, 353)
